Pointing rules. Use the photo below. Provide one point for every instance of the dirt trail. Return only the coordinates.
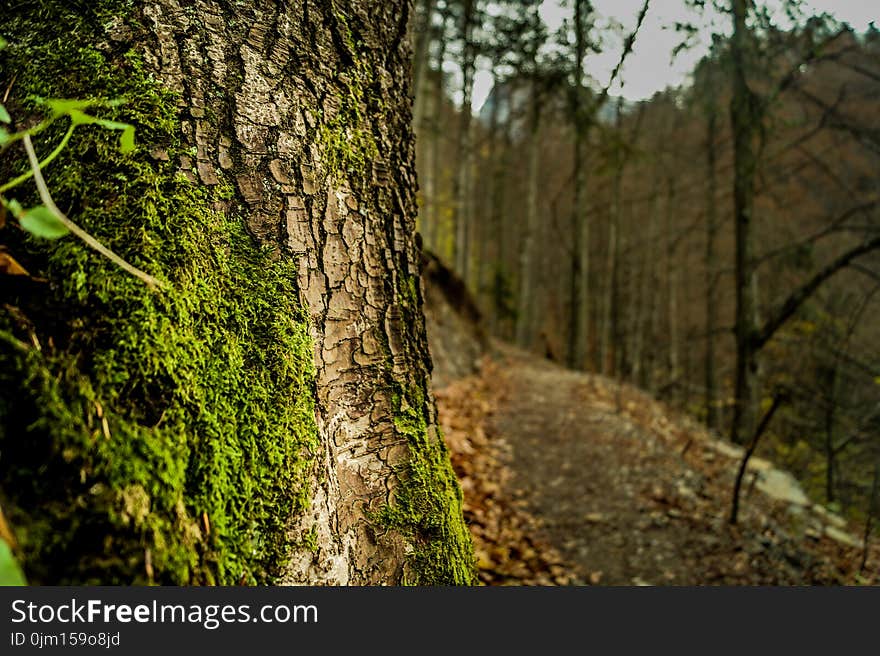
(610, 487)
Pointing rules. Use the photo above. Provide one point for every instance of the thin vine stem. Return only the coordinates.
(46, 197)
(27, 175)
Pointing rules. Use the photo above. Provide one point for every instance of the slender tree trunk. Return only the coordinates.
(422, 23)
(830, 419)
(711, 266)
(465, 150)
(673, 363)
(501, 277)
(744, 121)
(295, 134)
(488, 227)
(608, 329)
(645, 364)
(491, 243)
(525, 320)
(637, 312)
(434, 235)
(579, 301)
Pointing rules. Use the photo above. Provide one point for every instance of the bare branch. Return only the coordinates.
(802, 293)
(628, 45)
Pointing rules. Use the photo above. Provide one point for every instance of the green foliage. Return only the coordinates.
(147, 437)
(10, 572)
(40, 221)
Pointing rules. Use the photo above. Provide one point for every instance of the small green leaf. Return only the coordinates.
(79, 117)
(3, 43)
(10, 572)
(42, 222)
(15, 208)
(4, 115)
(4, 137)
(126, 140)
(61, 106)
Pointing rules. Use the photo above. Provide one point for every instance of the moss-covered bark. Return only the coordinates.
(245, 423)
(146, 436)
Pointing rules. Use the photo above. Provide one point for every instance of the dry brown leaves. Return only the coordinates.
(507, 542)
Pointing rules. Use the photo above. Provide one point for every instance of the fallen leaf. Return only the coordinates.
(10, 267)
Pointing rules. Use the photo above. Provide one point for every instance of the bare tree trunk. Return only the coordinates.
(462, 191)
(525, 320)
(711, 384)
(606, 347)
(490, 248)
(422, 25)
(830, 419)
(744, 121)
(433, 232)
(672, 274)
(637, 312)
(295, 124)
(646, 364)
(609, 349)
(579, 333)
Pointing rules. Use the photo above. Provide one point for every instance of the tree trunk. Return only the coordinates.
(645, 372)
(490, 253)
(606, 345)
(579, 337)
(744, 123)
(432, 193)
(213, 431)
(672, 273)
(525, 319)
(711, 385)
(465, 150)
(422, 24)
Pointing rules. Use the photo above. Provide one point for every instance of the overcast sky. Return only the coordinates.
(650, 67)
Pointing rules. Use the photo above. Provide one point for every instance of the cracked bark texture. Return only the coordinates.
(304, 107)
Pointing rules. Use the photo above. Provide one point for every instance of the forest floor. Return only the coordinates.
(571, 479)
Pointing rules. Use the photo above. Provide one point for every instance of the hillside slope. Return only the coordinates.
(571, 478)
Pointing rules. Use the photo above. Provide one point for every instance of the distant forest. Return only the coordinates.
(717, 245)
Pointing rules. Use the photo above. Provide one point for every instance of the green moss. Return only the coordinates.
(347, 140)
(427, 507)
(152, 437)
(428, 504)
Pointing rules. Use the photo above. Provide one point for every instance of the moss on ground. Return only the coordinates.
(145, 436)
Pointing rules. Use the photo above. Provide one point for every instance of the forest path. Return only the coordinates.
(570, 478)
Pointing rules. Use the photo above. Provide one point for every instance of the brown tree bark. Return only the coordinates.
(745, 121)
(579, 299)
(340, 199)
(711, 385)
(526, 306)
